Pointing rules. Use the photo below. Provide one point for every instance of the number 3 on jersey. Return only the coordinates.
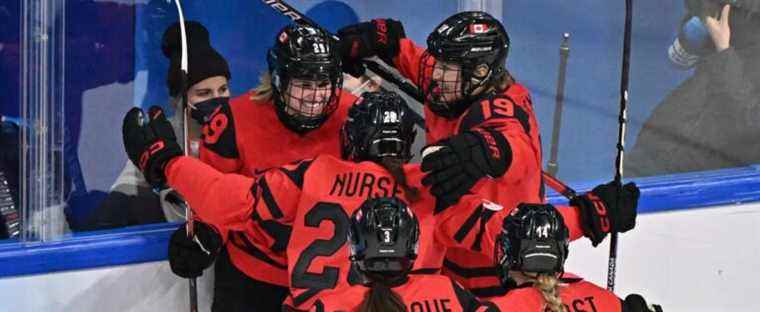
(328, 279)
(497, 106)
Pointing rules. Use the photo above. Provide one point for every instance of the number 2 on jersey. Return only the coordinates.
(322, 211)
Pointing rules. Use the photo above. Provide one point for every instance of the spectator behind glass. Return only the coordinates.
(132, 201)
(711, 120)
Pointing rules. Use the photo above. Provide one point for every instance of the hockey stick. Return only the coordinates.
(564, 52)
(559, 186)
(193, 286)
(402, 83)
(612, 264)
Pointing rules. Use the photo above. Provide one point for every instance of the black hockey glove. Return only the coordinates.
(601, 213)
(457, 163)
(188, 257)
(150, 143)
(218, 132)
(636, 303)
(377, 37)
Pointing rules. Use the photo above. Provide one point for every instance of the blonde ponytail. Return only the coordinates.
(548, 285)
(263, 92)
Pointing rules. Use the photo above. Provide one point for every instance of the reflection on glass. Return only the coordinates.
(710, 121)
(9, 119)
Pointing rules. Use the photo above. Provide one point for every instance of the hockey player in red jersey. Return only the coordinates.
(384, 237)
(314, 197)
(295, 113)
(481, 128)
(531, 251)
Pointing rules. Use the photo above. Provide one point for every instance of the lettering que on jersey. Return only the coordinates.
(431, 305)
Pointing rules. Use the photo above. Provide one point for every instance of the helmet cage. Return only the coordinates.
(305, 53)
(474, 41)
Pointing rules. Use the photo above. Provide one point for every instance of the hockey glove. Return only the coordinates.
(150, 143)
(601, 213)
(377, 37)
(218, 131)
(188, 257)
(636, 303)
(457, 163)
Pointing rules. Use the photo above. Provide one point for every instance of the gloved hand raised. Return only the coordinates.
(377, 37)
(150, 143)
(602, 212)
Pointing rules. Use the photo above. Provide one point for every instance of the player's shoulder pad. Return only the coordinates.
(499, 106)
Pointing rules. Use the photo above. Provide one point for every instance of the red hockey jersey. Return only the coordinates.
(316, 198)
(510, 113)
(257, 140)
(421, 293)
(576, 294)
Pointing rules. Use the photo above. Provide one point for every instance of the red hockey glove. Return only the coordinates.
(601, 213)
(150, 142)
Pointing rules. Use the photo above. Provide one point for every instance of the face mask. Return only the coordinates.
(203, 110)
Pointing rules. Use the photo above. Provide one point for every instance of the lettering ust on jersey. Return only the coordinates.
(433, 305)
(580, 305)
(363, 184)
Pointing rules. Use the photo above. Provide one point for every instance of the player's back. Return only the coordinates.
(420, 293)
(576, 295)
(317, 252)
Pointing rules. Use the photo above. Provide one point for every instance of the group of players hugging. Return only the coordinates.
(305, 198)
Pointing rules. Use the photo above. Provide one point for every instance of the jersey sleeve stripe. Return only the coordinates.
(243, 243)
(266, 193)
(470, 272)
(296, 175)
(279, 232)
(468, 225)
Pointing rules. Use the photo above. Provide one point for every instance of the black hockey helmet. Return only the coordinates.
(383, 237)
(533, 239)
(308, 54)
(379, 124)
(465, 52)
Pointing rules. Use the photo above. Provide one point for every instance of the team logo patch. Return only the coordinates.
(478, 28)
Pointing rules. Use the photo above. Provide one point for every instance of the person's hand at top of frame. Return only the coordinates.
(719, 29)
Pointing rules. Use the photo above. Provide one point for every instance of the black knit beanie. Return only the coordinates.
(203, 61)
